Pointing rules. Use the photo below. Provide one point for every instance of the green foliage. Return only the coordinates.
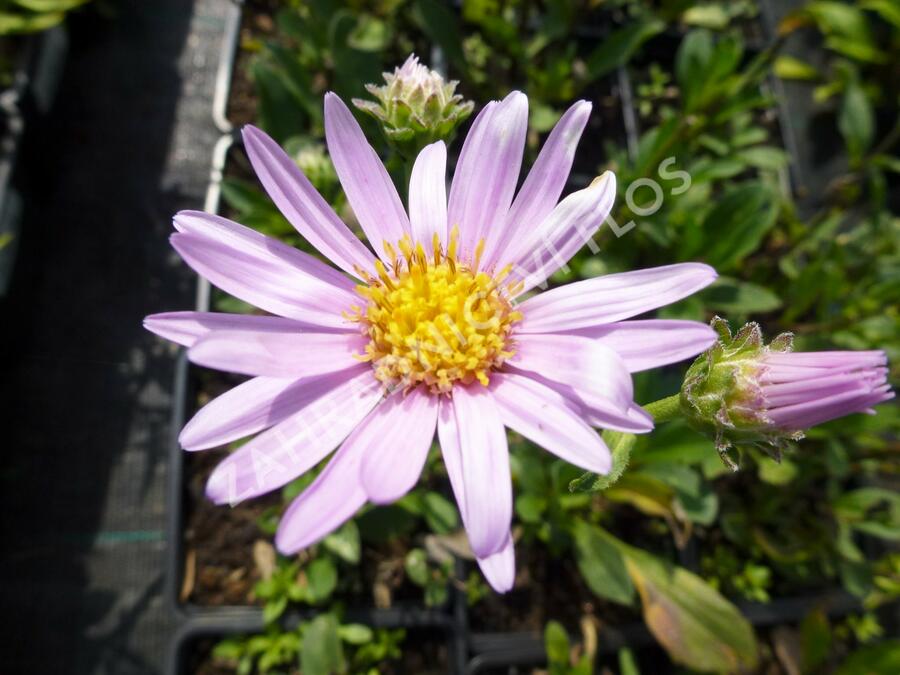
(320, 646)
(33, 16)
(560, 659)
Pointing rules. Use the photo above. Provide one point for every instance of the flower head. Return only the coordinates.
(427, 333)
(744, 393)
(416, 106)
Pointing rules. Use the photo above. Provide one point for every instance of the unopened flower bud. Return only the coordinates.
(416, 106)
(744, 393)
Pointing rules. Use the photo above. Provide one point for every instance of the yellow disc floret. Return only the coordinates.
(434, 319)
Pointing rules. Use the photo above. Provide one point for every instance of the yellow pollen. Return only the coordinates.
(435, 319)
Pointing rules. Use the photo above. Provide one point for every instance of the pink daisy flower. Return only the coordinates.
(428, 334)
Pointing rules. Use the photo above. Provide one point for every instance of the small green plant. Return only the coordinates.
(321, 646)
(562, 658)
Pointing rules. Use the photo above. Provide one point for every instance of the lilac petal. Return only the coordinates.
(545, 182)
(483, 469)
(500, 568)
(562, 233)
(428, 195)
(185, 328)
(840, 360)
(400, 436)
(790, 393)
(597, 411)
(250, 242)
(278, 354)
(332, 499)
(611, 298)
(256, 405)
(303, 206)
(651, 343)
(587, 366)
(366, 182)
(279, 455)
(543, 416)
(270, 275)
(448, 438)
(820, 410)
(486, 174)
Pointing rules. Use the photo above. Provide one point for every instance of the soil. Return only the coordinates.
(257, 24)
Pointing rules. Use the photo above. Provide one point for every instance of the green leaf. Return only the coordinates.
(274, 609)
(776, 473)
(601, 565)
(874, 511)
(416, 566)
(321, 576)
(355, 633)
(876, 659)
(736, 225)
(856, 120)
(731, 296)
(764, 157)
(11, 23)
(697, 626)
(345, 543)
(698, 501)
(321, 652)
(618, 48)
(530, 507)
(440, 514)
(791, 68)
(556, 642)
(627, 663)
(888, 9)
(279, 115)
(815, 640)
(706, 16)
(50, 5)
(840, 18)
(370, 34)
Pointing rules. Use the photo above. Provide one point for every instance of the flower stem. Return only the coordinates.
(665, 409)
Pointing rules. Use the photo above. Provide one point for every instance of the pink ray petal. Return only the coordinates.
(366, 182)
(268, 283)
(543, 416)
(399, 439)
(590, 368)
(303, 206)
(250, 242)
(185, 328)
(611, 298)
(545, 182)
(428, 196)
(279, 455)
(651, 343)
(562, 233)
(278, 354)
(256, 405)
(483, 469)
(500, 568)
(487, 172)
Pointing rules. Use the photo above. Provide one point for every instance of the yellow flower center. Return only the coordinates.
(434, 319)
